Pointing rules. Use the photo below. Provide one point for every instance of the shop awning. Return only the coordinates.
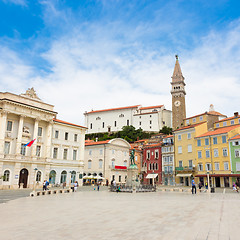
(184, 175)
(219, 175)
(152, 175)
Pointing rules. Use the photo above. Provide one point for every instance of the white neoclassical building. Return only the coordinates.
(150, 119)
(57, 153)
(108, 159)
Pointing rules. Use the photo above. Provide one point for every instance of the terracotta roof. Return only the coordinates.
(235, 137)
(216, 113)
(72, 124)
(143, 108)
(225, 119)
(209, 113)
(168, 136)
(190, 126)
(152, 145)
(97, 143)
(219, 131)
(113, 109)
(142, 140)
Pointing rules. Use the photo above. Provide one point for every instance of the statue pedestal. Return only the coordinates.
(132, 177)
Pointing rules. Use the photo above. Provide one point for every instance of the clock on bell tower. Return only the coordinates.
(178, 97)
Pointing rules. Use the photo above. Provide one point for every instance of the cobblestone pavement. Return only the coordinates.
(105, 215)
(7, 195)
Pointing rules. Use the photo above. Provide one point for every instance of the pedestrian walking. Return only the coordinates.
(114, 183)
(200, 186)
(44, 185)
(193, 186)
(47, 184)
(75, 186)
(98, 186)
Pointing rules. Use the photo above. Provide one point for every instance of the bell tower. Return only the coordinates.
(178, 96)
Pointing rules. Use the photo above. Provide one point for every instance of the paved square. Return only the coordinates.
(105, 215)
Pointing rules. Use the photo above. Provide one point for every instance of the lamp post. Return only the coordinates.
(208, 182)
(34, 181)
(70, 179)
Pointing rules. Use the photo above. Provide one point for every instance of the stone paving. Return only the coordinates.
(105, 215)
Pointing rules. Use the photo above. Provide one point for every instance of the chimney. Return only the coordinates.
(236, 114)
(137, 138)
(96, 139)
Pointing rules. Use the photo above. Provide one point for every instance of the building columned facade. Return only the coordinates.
(56, 154)
(150, 119)
(106, 160)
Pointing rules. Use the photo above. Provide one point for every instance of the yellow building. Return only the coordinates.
(185, 153)
(228, 121)
(213, 156)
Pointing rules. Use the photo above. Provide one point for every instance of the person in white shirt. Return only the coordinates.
(75, 186)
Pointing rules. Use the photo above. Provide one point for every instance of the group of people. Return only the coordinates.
(200, 185)
(236, 186)
(46, 183)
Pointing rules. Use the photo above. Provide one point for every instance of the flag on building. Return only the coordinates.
(30, 143)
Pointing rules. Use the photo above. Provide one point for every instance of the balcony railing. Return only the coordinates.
(167, 172)
(185, 168)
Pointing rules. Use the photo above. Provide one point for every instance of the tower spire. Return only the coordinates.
(177, 73)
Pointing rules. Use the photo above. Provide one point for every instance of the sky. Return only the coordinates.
(81, 55)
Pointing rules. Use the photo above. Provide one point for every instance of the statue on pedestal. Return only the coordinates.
(132, 157)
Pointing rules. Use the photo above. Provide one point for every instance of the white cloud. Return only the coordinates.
(17, 2)
(93, 69)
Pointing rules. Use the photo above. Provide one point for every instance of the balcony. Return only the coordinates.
(167, 172)
(118, 167)
(185, 168)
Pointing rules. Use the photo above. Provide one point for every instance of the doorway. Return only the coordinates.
(217, 181)
(186, 181)
(226, 181)
(23, 177)
(166, 181)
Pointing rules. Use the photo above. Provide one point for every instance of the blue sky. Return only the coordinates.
(82, 55)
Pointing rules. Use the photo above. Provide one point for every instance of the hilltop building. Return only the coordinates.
(150, 119)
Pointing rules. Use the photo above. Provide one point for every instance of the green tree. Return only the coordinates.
(166, 130)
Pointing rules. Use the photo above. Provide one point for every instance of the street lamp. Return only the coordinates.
(70, 179)
(34, 182)
(208, 181)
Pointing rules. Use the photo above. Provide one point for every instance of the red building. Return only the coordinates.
(152, 163)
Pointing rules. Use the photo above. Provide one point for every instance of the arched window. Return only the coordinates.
(153, 165)
(6, 176)
(38, 176)
(89, 164)
(73, 176)
(150, 166)
(100, 163)
(156, 166)
(52, 177)
(63, 176)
